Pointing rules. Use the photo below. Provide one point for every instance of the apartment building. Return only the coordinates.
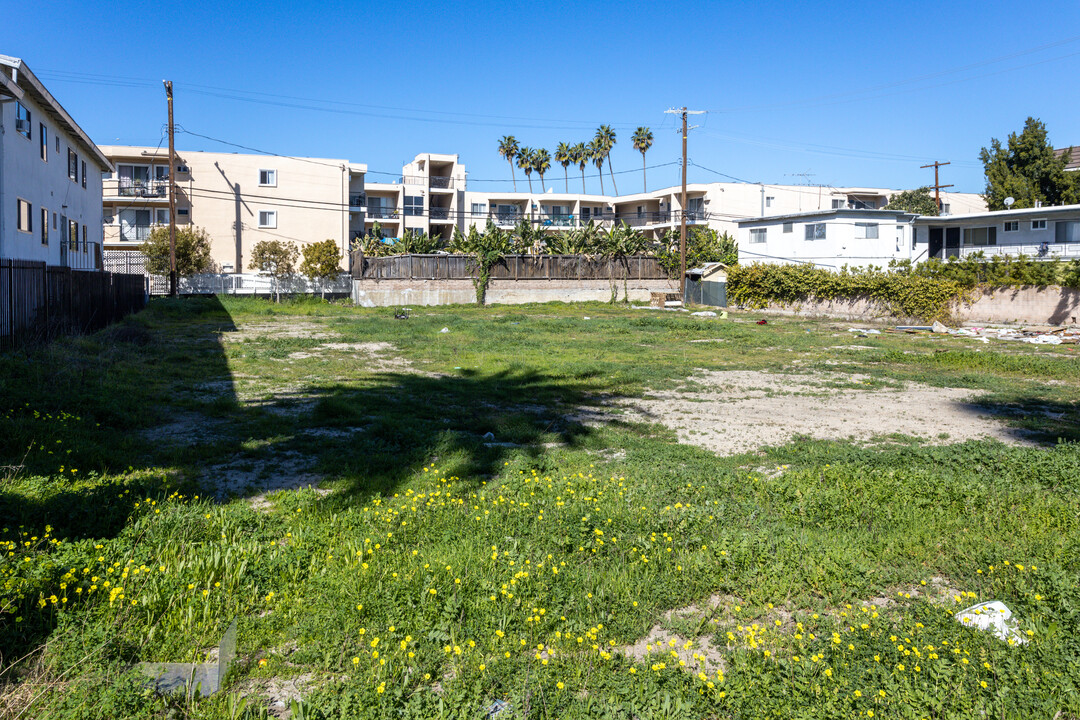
(720, 206)
(239, 199)
(50, 176)
(1051, 232)
(428, 197)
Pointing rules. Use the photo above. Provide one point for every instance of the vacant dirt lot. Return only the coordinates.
(738, 411)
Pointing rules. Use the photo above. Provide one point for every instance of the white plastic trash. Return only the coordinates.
(994, 617)
(445, 330)
(704, 313)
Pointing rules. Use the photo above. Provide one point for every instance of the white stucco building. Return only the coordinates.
(50, 176)
(828, 238)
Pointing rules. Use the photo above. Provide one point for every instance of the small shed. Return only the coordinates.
(707, 285)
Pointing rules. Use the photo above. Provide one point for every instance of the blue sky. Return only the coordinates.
(835, 93)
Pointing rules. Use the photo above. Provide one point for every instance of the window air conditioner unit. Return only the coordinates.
(22, 125)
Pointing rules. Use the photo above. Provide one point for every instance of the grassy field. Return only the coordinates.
(487, 533)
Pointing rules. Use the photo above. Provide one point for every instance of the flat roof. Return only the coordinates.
(1001, 214)
(833, 212)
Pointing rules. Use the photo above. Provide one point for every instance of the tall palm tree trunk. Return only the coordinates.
(612, 175)
(582, 181)
(543, 187)
(512, 176)
(644, 179)
(529, 175)
(601, 175)
(566, 175)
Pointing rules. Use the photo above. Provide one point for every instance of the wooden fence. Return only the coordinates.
(511, 267)
(40, 302)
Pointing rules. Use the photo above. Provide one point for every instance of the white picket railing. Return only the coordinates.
(259, 284)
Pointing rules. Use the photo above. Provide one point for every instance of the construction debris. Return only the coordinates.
(1032, 334)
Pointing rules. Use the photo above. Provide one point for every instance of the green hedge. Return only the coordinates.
(928, 291)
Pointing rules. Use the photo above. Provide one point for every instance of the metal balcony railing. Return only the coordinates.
(382, 213)
(357, 200)
(142, 188)
(437, 213)
(441, 182)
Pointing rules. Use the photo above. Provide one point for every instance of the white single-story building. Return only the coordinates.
(50, 176)
(828, 238)
(1042, 232)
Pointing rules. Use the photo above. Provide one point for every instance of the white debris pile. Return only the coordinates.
(1032, 334)
(993, 616)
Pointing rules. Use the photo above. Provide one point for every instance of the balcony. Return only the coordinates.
(382, 213)
(441, 182)
(357, 200)
(438, 213)
(142, 188)
(506, 218)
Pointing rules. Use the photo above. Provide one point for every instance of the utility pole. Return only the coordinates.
(172, 195)
(682, 214)
(937, 183)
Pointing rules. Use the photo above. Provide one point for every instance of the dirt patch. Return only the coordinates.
(375, 356)
(279, 329)
(733, 412)
(185, 428)
(278, 693)
(258, 477)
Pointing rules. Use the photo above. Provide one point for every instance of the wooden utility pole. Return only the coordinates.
(682, 214)
(937, 184)
(172, 195)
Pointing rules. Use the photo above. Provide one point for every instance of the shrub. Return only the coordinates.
(192, 251)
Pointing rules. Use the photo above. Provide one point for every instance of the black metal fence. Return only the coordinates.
(39, 302)
(512, 267)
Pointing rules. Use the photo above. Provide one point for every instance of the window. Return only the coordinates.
(757, 235)
(161, 173)
(43, 135)
(85, 239)
(73, 236)
(788, 227)
(1066, 231)
(268, 218)
(24, 220)
(182, 212)
(815, 231)
(769, 200)
(945, 208)
(1038, 224)
(478, 209)
(22, 120)
(73, 165)
(54, 221)
(57, 144)
(866, 231)
(161, 216)
(268, 178)
(980, 237)
(44, 226)
(695, 208)
(84, 173)
(837, 204)
(1012, 226)
(134, 225)
(414, 205)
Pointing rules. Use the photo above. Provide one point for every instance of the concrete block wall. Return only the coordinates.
(389, 293)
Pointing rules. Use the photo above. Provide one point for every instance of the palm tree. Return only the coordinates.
(581, 159)
(564, 155)
(642, 142)
(525, 162)
(541, 163)
(597, 153)
(607, 137)
(508, 149)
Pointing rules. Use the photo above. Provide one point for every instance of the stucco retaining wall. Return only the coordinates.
(386, 293)
(1027, 304)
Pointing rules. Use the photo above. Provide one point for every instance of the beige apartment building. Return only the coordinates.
(428, 197)
(239, 199)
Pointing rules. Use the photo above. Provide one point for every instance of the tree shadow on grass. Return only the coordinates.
(1033, 419)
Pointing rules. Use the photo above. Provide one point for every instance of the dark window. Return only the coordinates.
(44, 226)
(73, 165)
(84, 173)
(44, 136)
(815, 231)
(1066, 231)
(24, 220)
(22, 120)
(414, 205)
(85, 239)
(788, 227)
(73, 235)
